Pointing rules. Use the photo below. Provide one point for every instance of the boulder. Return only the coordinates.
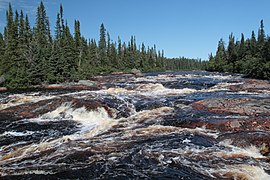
(136, 72)
(87, 83)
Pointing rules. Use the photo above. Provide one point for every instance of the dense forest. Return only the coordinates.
(248, 56)
(32, 56)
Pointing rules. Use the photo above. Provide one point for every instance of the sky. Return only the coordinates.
(189, 28)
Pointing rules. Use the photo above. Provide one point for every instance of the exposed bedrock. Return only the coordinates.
(251, 85)
(243, 106)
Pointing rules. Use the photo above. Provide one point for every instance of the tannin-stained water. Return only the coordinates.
(182, 125)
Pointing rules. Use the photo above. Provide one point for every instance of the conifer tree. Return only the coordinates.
(109, 48)
(102, 46)
(43, 40)
(113, 56)
(2, 51)
(93, 54)
(232, 54)
(220, 56)
(78, 43)
(242, 47)
(261, 37)
(58, 28)
(11, 53)
(119, 53)
(253, 44)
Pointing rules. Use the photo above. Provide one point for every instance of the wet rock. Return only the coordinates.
(251, 85)
(34, 110)
(118, 73)
(111, 79)
(87, 83)
(136, 72)
(81, 85)
(24, 131)
(190, 118)
(244, 106)
(260, 139)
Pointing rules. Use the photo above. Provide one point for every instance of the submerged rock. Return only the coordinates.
(244, 106)
(259, 139)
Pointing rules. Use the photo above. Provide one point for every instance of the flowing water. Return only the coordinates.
(132, 128)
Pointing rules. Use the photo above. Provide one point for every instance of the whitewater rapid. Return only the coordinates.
(135, 128)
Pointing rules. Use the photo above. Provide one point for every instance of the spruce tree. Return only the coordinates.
(220, 56)
(43, 40)
(2, 51)
(253, 44)
(119, 53)
(102, 46)
(78, 43)
(93, 55)
(109, 48)
(113, 57)
(58, 28)
(11, 55)
(261, 37)
(232, 55)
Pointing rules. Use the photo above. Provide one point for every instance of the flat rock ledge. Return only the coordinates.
(81, 85)
(252, 85)
(242, 106)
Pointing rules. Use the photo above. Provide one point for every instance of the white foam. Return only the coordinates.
(242, 171)
(250, 151)
(151, 89)
(91, 122)
(18, 99)
(15, 133)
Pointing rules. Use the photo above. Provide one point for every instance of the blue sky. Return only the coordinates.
(189, 28)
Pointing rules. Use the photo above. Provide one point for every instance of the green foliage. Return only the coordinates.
(29, 56)
(249, 56)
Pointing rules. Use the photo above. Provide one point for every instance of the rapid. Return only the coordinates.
(172, 125)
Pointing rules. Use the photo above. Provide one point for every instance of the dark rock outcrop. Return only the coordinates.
(251, 85)
(243, 106)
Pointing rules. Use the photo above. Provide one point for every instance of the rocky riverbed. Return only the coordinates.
(183, 125)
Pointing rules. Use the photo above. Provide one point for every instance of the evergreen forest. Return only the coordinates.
(249, 56)
(32, 56)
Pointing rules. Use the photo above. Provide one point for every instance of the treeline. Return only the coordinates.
(248, 56)
(182, 63)
(31, 56)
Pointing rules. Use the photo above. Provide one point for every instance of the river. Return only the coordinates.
(173, 125)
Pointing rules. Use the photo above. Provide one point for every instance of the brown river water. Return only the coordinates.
(173, 125)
